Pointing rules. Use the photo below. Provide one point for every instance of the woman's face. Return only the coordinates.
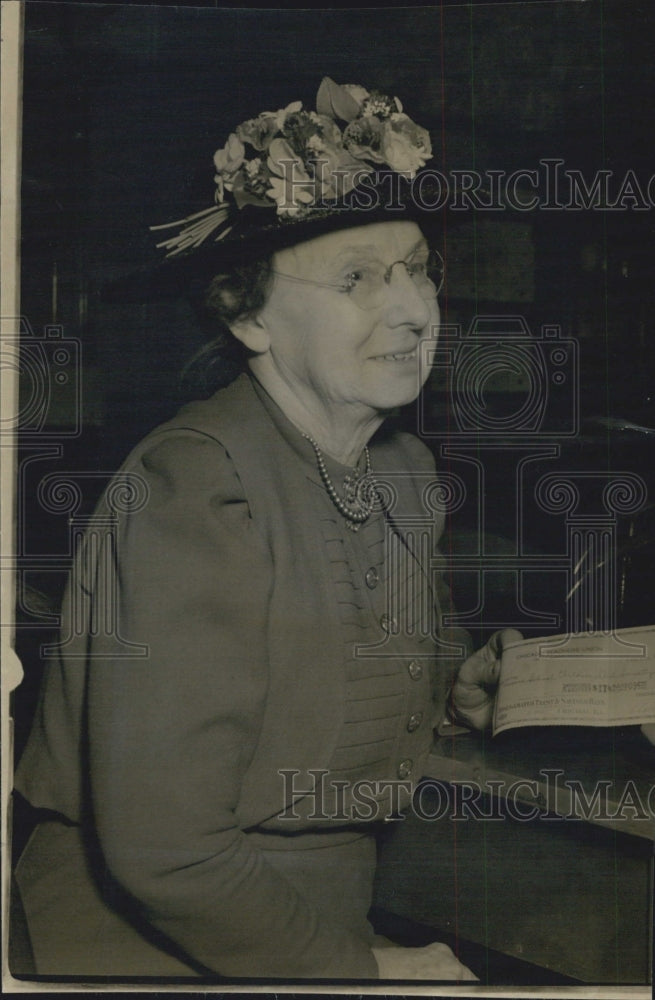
(328, 350)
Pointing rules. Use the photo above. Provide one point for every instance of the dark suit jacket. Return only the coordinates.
(198, 652)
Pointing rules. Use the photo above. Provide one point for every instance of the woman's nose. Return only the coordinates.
(406, 304)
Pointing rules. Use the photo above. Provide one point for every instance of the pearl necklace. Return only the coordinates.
(360, 490)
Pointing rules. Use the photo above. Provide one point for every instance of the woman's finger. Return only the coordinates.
(484, 667)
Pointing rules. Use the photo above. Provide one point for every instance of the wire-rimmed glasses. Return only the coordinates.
(367, 283)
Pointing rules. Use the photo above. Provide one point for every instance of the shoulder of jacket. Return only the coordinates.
(200, 439)
(216, 416)
(185, 455)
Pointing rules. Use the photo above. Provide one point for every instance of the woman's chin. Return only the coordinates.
(397, 383)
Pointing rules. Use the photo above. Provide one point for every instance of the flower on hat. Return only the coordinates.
(294, 161)
(359, 94)
(380, 105)
(405, 145)
(260, 131)
(250, 185)
(227, 162)
(291, 187)
(363, 137)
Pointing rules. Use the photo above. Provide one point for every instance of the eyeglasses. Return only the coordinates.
(367, 283)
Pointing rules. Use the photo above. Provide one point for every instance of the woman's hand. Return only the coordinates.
(434, 961)
(474, 689)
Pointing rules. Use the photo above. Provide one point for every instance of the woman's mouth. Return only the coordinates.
(403, 356)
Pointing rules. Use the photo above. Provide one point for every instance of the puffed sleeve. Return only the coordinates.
(171, 734)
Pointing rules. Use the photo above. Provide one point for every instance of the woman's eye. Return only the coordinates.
(417, 268)
(355, 277)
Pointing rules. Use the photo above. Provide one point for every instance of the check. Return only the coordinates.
(585, 679)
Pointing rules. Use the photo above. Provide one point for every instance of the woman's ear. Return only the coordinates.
(253, 334)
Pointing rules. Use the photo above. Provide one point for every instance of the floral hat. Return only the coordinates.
(287, 176)
(295, 165)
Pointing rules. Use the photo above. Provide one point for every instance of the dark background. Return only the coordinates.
(123, 109)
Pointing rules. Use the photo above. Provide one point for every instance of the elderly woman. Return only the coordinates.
(252, 657)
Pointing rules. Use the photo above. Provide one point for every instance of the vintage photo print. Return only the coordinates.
(328, 471)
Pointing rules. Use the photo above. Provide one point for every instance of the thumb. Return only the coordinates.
(500, 640)
(483, 668)
(494, 650)
(504, 637)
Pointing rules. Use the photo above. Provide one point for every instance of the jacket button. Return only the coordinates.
(388, 623)
(414, 721)
(415, 670)
(372, 578)
(405, 768)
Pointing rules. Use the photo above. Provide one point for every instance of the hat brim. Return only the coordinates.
(257, 232)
